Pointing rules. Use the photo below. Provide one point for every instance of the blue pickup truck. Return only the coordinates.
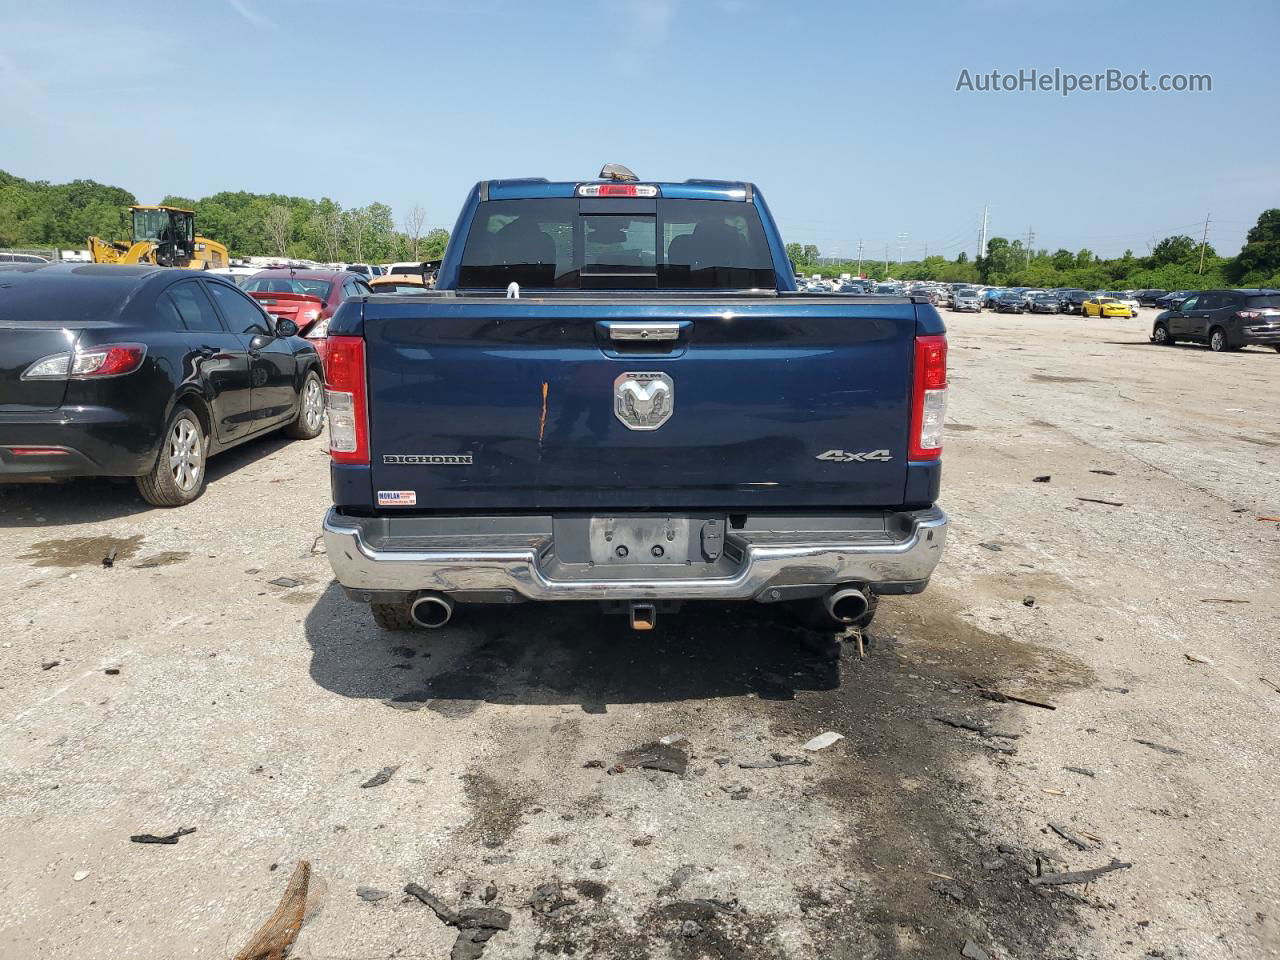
(616, 394)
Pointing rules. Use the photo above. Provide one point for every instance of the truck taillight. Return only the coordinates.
(928, 398)
(347, 402)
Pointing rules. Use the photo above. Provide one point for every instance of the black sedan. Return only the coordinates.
(1149, 298)
(1010, 302)
(143, 372)
(1045, 303)
(1072, 301)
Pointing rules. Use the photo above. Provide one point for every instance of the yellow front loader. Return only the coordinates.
(165, 236)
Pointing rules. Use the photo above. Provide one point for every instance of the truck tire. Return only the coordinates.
(178, 476)
(392, 616)
(310, 419)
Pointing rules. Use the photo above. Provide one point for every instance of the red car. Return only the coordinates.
(307, 297)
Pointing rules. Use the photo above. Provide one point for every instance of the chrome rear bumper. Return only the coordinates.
(367, 561)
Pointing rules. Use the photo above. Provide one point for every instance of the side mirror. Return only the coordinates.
(286, 328)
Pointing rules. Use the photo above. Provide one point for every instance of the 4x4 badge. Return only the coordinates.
(844, 456)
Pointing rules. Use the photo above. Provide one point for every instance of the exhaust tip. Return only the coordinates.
(431, 611)
(846, 605)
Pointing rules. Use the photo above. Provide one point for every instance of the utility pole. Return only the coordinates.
(902, 246)
(1204, 242)
(886, 261)
(982, 234)
(926, 251)
(1031, 238)
(859, 258)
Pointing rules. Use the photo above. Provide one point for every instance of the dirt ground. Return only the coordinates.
(182, 688)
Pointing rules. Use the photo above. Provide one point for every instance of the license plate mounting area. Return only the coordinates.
(641, 540)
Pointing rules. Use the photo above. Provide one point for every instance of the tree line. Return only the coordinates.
(40, 215)
(1175, 263)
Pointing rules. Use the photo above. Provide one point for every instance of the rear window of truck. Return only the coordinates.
(554, 243)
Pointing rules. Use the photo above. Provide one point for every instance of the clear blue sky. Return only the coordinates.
(845, 113)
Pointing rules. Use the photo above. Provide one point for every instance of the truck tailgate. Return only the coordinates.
(521, 404)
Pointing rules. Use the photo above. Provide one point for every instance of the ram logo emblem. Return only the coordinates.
(643, 401)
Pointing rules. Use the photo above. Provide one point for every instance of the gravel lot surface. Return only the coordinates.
(1135, 590)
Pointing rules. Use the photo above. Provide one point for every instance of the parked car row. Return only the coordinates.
(847, 284)
(974, 298)
(1029, 300)
(1224, 320)
(963, 297)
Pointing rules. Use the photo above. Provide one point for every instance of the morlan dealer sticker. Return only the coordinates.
(397, 498)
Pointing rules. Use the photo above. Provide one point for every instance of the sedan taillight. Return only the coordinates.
(104, 360)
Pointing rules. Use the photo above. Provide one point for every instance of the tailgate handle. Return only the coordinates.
(643, 331)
